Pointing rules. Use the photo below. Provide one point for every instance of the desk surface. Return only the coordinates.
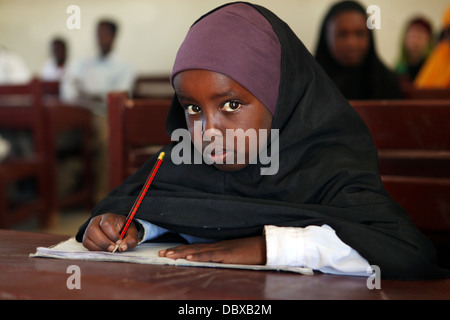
(22, 277)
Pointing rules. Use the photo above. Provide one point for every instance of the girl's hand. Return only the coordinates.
(238, 251)
(103, 233)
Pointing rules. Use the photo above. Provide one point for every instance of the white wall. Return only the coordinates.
(152, 30)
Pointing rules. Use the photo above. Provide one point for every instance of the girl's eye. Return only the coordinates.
(193, 109)
(231, 106)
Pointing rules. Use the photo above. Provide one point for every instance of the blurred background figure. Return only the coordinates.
(416, 45)
(53, 68)
(435, 72)
(347, 53)
(13, 69)
(87, 83)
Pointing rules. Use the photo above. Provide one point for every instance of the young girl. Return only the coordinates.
(346, 51)
(241, 67)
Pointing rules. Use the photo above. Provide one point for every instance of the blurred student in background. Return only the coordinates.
(53, 68)
(347, 52)
(417, 43)
(13, 69)
(89, 80)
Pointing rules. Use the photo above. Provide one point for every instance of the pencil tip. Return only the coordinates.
(115, 248)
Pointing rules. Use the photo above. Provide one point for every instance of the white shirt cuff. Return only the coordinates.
(315, 247)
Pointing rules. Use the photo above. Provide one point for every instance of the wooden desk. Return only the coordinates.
(22, 277)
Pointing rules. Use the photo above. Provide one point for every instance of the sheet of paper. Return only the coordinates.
(146, 253)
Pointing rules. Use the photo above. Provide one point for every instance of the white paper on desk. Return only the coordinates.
(146, 253)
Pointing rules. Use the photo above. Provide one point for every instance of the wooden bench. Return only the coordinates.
(413, 141)
(412, 136)
(152, 86)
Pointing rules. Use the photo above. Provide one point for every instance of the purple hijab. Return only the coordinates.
(239, 42)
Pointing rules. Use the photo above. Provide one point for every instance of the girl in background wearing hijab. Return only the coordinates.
(416, 46)
(241, 67)
(346, 51)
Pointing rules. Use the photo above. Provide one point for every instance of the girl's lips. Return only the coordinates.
(219, 156)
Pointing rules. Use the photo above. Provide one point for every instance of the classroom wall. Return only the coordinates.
(152, 30)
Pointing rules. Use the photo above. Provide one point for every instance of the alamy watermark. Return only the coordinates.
(374, 20)
(74, 20)
(237, 147)
(74, 280)
(374, 280)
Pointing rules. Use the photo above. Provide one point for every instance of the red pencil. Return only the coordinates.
(139, 199)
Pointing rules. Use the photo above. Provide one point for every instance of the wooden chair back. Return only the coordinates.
(136, 132)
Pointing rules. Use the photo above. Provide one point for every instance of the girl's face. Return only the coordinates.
(417, 41)
(348, 38)
(220, 103)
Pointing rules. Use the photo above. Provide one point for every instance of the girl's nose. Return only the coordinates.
(211, 127)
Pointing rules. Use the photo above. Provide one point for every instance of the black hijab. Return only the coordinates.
(371, 80)
(328, 174)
